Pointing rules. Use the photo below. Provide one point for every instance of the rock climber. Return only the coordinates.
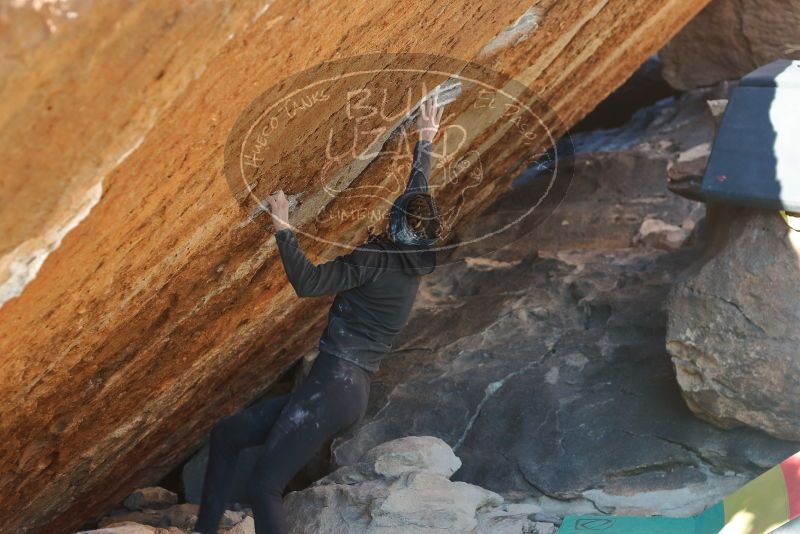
(375, 287)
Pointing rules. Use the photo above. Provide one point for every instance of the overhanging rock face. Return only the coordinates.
(166, 308)
(81, 83)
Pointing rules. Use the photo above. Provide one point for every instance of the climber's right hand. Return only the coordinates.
(430, 116)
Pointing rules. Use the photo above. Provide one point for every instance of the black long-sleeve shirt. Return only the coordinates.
(375, 284)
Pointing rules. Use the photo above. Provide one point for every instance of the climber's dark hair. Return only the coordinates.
(422, 216)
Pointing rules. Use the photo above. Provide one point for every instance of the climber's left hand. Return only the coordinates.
(279, 210)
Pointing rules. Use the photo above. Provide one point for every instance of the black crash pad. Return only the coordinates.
(755, 160)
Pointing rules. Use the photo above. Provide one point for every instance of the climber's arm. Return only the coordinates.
(427, 125)
(420, 168)
(309, 280)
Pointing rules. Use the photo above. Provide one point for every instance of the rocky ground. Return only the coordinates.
(542, 365)
(402, 486)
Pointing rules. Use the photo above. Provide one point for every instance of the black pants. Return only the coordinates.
(293, 427)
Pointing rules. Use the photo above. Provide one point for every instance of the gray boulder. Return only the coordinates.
(151, 497)
(729, 39)
(656, 233)
(734, 325)
(403, 487)
(399, 457)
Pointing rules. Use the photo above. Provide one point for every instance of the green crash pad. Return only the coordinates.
(759, 507)
(709, 522)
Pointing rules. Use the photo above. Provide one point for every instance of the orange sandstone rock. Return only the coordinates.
(164, 309)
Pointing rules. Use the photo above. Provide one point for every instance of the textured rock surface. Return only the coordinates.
(532, 384)
(163, 310)
(132, 527)
(730, 38)
(104, 69)
(656, 233)
(402, 487)
(128, 527)
(246, 526)
(175, 518)
(406, 455)
(733, 324)
(152, 497)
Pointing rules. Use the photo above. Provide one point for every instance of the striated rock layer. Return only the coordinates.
(163, 309)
